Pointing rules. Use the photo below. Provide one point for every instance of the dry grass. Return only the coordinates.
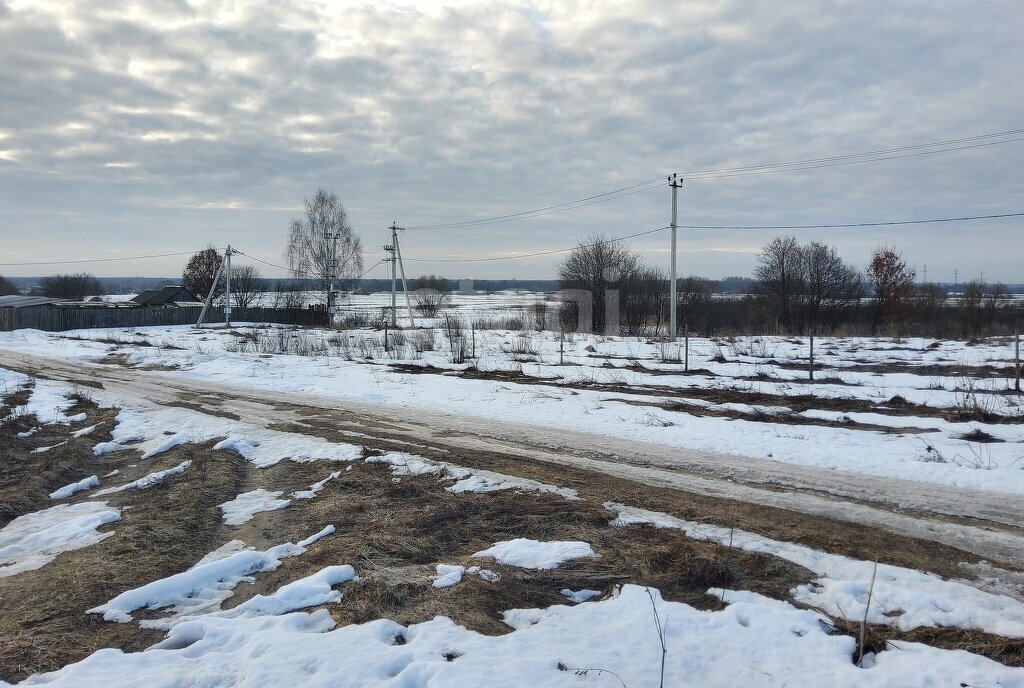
(27, 478)
(43, 624)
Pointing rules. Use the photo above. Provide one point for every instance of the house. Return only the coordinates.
(171, 296)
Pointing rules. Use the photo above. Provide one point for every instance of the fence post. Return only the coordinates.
(810, 369)
(561, 344)
(385, 335)
(686, 344)
(1016, 360)
(472, 329)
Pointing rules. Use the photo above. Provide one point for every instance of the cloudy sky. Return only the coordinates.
(155, 127)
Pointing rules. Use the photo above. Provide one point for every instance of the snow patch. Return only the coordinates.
(147, 481)
(902, 597)
(68, 490)
(246, 505)
(202, 582)
(533, 554)
(448, 575)
(33, 540)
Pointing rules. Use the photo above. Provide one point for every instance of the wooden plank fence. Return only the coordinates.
(61, 318)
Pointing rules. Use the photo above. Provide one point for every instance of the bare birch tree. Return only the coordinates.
(322, 245)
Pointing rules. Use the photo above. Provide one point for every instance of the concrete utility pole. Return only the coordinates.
(405, 285)
(209, 294)
(675, 182)
(394, 267)
(227, 288)
(332, 283)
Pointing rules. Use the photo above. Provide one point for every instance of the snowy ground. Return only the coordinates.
(614, 387)
(914, 409)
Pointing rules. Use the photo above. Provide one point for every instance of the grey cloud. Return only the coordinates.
(427, 115)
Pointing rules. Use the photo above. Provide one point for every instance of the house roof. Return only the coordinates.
(19, 301)
(170, 294)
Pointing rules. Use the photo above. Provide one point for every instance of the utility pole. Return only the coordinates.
(926, 273)
(675, 182)
(332, 281)
(394, 267)
(227, 283)
(209, 294)
(956, 277)
(401, 268)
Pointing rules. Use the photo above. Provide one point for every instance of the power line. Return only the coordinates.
(537, 253)
(878, 155)
(887, 223)
(859, 224)
(299, 272)
(615, 194)
(100, 260)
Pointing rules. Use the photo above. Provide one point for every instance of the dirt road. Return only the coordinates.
(986, 524)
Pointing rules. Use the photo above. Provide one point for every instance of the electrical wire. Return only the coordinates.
(100, 260)
(858, 224)
(877, 155)
(298, 272)
(887, 223)
(536, 253)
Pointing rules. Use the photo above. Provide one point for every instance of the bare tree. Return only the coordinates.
(200, 271)
(289, 295)
(431, 294)
(596, 265)
(643, 297)
(322, 245)
(7, 287)
(828, 286)
(778, 279)
(893, 284)
(695, 296)
(247, 286)
(76, 286)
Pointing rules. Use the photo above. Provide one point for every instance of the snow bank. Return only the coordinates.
(533, 554)
(68, 490)
(753, 642)
(214, 575)
(902, 597)
(246, 505)
(33, 540)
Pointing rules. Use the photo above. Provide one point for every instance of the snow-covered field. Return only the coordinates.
(915, 409)
(934, 412)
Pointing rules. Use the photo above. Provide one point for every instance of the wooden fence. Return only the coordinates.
(61, 318)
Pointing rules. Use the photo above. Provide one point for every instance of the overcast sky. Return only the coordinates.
(162, 126)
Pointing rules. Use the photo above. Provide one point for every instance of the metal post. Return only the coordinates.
(810, 369)
(686, 343)
(1016, 361)
(672, 264)
(227, 282)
